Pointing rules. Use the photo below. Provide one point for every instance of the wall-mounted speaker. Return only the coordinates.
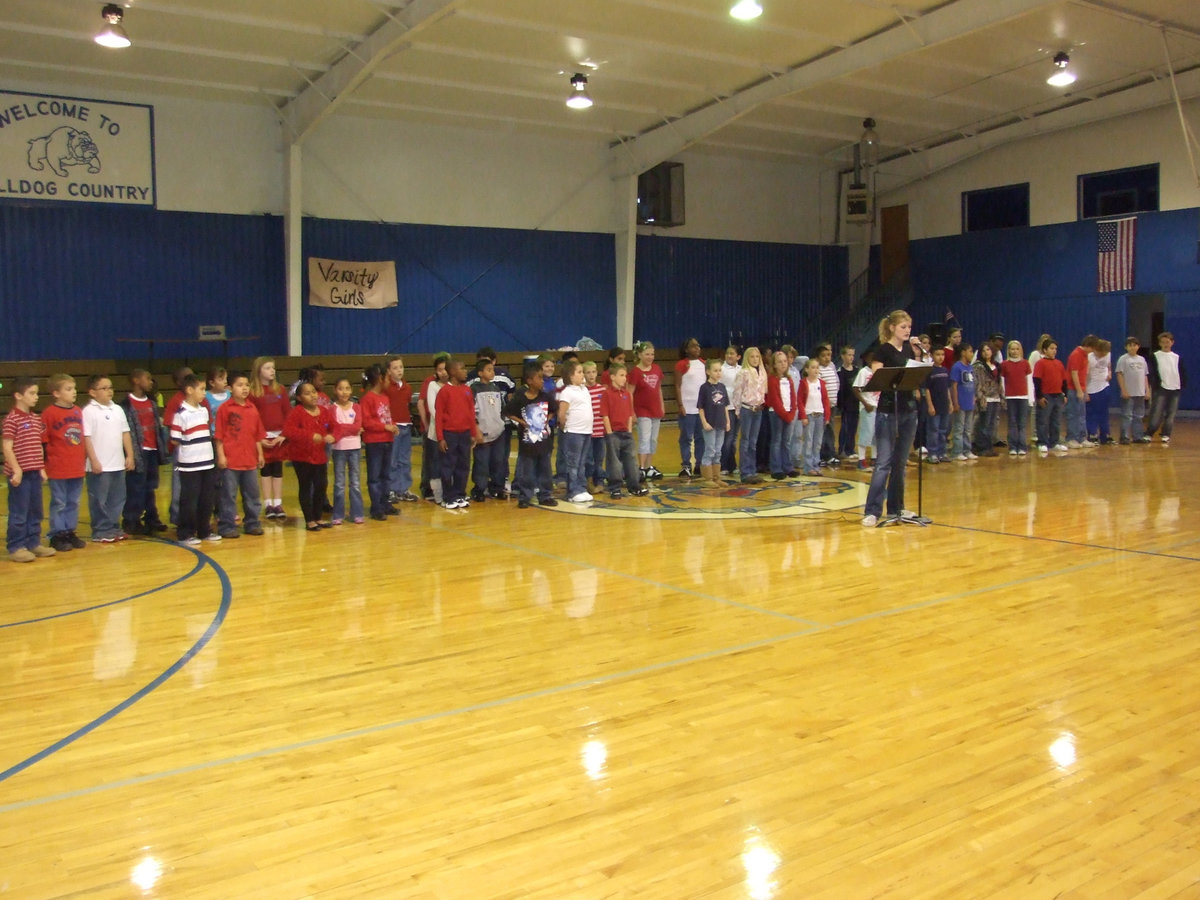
(660, 196)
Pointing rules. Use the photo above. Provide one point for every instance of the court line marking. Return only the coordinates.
(162, 587)
(200, 643)
(554, 690)
(1051, 540)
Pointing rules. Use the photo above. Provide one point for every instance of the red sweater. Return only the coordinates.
(455, 406)
(802, 399)
(775, 387)
(300, 428)
(376, 417)
(399, 396)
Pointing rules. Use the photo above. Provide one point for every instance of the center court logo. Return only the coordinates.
(801, 497)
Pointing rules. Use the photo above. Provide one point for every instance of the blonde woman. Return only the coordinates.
(895, 423)
(271, 399)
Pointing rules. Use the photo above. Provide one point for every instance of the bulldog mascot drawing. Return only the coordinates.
(62, 147)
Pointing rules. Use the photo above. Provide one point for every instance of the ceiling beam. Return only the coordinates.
(943, 24)
(323, 95)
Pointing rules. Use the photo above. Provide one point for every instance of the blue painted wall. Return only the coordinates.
(1028, 281)
(74, 279)
(462, 288)
(712, 289)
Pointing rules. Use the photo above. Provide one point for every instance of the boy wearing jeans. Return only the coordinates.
(1132, 379)
(25, 466)
(239, 435)
(65, 462)
(109, 456)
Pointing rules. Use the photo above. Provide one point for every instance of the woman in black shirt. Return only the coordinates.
(895, 427)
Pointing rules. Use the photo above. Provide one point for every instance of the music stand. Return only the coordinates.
(896, 379)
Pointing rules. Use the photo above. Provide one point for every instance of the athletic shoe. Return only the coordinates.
(1062, 448)
(752, 479)
(191, 542)
(1166, 439)
(393, 497)
(1088, 443)
(61, 542)
(1124, 440)
(685, 472)
(1022, 452)
(213, 538)
(924, 453)
(391, 511)
(1042, 448)
(104, 540)
(653, 473)
(256, 531)
(1012, 452)
(640, 492)
(870, 521)
(973, 456)
(582, 497)
(76, 541)
(21, 555)
(962, 457)
(1107, 441)
(230, 535)
(933, 460)
(498, 494)
(1144, 439)
(358, 520)
(549, 501)
(462, 503)
(616, 494)
(1074, 445)
(449, 504)
(850, 457)
(42, 552)
(409, 497)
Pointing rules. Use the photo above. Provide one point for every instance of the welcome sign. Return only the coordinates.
(68, 149)
(351, 285)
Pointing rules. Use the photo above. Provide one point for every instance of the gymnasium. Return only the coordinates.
(728, 690)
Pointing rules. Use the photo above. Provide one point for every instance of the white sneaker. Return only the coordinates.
(213, 538)
(1012, 452)
(962, 457)
(1087, 443)
(1062, 448)
(191, 542)
(1020, 453)
(1042, 448)
(1074, 445)
(972, 456)
(462, 503)
(581, 497)
(1166, 439)
(870, 521)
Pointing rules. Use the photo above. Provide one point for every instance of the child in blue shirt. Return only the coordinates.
(962, 404)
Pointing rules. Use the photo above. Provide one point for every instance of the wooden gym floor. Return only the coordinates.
(694, 701)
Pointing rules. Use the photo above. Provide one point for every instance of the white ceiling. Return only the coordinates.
(792, 85)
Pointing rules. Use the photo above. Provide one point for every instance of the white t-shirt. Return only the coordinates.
(579, 410)
(105, 425)
(689, 387)
(728, 377)
(1168, 369)
(1099, 372)
(863, 376)
(431, 393)
(813, 406)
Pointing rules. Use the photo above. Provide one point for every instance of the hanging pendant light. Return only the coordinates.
(112, 34)
(579, 98)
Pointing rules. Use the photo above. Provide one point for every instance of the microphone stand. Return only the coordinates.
(897, 379)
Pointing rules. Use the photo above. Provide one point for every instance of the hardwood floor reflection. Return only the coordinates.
(510, 703)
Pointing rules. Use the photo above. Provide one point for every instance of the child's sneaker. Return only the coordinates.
(358, 520)
(214, 538)
(22, 555)
(42, 552)
(336, 522)
(191, 542)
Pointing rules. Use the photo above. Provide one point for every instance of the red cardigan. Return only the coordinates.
(802, 400)
(774, 400)
(299, 430)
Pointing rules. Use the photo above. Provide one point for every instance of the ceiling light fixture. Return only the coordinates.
(579, 98)
(112, 34)
(746, 9)
(1062, 75)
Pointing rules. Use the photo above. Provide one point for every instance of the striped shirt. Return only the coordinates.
(25, 430)
(189, 430)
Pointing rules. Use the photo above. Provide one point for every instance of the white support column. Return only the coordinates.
(626, 253)
(293, 222)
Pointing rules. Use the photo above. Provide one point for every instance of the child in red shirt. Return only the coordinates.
(25, 466)
(308, 428)
(239, 432)
(457, 433)
(65, 462)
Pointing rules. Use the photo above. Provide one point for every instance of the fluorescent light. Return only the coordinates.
(746, 9)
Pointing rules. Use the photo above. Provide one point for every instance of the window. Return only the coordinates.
(999, 207)
(1119, 192)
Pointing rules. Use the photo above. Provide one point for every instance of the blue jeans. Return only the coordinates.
(574, 461)
(1097, 413)
(810, 442)
(894, 433)
(961, 425)
(937, 426)
(346, 473)
(781, 445)
(65, 494)
(689, 426)
(599, 450)
(230, 481)
(849, 430)
(25, 512)
(714, 441)
(106, 500)
(1076, 417)
(400, 471)
(141, 508)
(487, 466)
(533, 476)
(1162, 411)
(1049, 431)
(749, 422)
(1018, 423)
(729, 449)
(1133, 410)
(379, 459)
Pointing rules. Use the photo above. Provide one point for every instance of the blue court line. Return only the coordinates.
(724, 601)
(222, 610)
(414, 720)
(162, 587)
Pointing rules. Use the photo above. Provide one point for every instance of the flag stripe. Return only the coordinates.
(1114, 252)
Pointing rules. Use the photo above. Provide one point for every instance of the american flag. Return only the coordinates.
(1114, 247)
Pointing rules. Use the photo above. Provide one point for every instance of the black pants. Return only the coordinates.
(197, 495)
(456, 462)
(313, 481)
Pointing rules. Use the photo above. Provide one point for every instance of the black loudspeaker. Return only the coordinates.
(937, 334)
(660, 196)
